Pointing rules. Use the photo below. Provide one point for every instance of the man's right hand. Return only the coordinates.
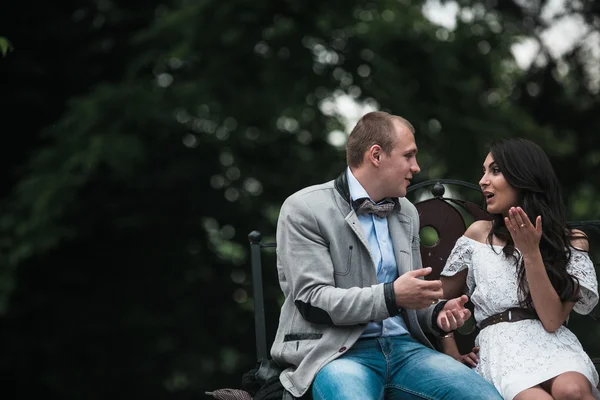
(414, 293)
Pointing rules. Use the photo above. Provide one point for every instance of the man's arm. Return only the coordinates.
(303, 254)
(444, 316)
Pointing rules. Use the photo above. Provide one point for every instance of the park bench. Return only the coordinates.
(446, 208)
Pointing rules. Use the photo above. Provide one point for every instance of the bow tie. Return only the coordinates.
(364, 205)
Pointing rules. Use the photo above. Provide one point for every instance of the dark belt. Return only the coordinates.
(510, 315)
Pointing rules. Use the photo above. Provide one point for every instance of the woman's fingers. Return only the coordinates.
(509, 225)
(523, 215)
(468, 359)
(517, 218)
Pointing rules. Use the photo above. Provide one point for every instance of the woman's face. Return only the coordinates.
(499, 195)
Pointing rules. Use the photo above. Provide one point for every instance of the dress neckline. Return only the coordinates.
(483, 244)
(502, 246)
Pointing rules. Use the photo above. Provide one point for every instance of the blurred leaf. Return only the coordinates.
(5, 46)
(170, 133)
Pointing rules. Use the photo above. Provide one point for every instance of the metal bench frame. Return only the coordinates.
(256, 247)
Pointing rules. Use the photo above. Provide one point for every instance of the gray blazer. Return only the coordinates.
(328, 277)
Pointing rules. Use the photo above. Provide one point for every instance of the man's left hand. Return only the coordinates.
(454, 314)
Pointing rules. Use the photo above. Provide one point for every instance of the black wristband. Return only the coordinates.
(390, 299)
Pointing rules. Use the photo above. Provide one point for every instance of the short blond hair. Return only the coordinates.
(376, 127)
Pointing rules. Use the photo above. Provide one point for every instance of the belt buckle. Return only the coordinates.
(509, 315)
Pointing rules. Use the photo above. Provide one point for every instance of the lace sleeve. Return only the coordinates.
(460, 257)
(581, 267)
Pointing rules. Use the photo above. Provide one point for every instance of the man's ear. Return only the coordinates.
(374, 154)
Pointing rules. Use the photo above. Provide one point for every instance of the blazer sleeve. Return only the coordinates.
(303, 257)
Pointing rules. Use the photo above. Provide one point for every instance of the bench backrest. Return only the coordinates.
(444, 218)
(445, 213)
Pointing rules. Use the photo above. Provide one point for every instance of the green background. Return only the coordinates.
(143, 140)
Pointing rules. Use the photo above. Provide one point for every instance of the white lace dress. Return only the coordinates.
(515, 356)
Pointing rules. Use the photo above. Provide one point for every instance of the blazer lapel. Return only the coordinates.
(400, 226)
(354, 223)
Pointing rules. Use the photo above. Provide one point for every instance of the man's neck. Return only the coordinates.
(368, 182)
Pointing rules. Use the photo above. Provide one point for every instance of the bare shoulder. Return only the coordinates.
(479, 230)
(579, 240)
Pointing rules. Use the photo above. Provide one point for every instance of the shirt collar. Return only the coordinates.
(355, 188)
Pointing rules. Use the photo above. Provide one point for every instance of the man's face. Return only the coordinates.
(398, 168)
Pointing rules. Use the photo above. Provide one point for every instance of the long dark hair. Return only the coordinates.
(527, 169)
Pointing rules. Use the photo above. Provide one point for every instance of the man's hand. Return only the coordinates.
(414, 293)
(454, 314)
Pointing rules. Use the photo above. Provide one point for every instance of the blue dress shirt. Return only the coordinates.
(380, 244)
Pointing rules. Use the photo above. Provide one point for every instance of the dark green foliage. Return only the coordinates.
(171, 130)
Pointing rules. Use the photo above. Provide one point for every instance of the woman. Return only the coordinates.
(529, 266)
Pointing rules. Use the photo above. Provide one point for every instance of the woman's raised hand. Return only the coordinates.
(525, 236)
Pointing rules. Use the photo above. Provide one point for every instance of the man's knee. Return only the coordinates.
(449, 379)
(345, 378)
(465, 383)
(445, 366)
(342, 369)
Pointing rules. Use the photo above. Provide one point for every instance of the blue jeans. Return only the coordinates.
(398, 367)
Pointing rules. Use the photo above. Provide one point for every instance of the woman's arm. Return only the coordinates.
(449, 347)
(454, 286)
(548, 305)
(551, 310)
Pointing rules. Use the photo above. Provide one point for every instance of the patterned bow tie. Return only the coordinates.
(364, 205)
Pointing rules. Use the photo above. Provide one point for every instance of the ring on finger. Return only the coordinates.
(522, 225)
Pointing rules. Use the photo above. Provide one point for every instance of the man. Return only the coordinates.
(356, 304)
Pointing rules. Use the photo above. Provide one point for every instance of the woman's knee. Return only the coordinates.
(533, 393)
(568, 391)
(569, 385)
